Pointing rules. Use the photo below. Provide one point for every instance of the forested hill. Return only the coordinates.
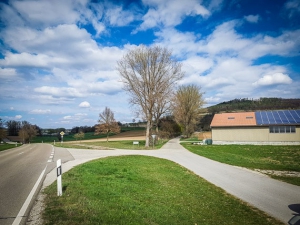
(246, 104)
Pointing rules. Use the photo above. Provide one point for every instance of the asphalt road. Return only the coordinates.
(20, 168)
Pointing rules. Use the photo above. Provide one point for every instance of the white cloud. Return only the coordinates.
(8, 73)
(58, 92)
(170, 12)
(18, 117)
(276, 78)
(119, 17)
(40, 111)
(47, 13)
(84, 104)
(67, 117)
(293, 7)
(252, 18)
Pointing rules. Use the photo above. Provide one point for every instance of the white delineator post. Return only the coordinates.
(59, 172)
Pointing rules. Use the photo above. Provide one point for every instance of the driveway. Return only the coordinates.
(280, 200)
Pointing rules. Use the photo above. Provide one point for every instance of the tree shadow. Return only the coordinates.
(295, 220)
(64, 188)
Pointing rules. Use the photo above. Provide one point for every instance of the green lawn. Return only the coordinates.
(143, 190)
(7, 146)
(50, 139)
(283, 158)
(115, 144)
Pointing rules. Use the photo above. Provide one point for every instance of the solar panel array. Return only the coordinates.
(279, 117)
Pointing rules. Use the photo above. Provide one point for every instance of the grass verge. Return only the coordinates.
(143, 190)
(112, 145)
(7, 146)
(264, 157)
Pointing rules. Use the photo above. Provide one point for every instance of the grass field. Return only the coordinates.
(263, 157)
(126, 131)
(6, 146)
(128, 144)
(143, 190)
(50, 139)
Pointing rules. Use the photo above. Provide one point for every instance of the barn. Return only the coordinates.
(279, 126)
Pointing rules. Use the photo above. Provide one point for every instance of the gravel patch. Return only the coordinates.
(279, 173)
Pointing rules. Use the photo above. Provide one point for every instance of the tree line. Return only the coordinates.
(246, 104)
(23, 129)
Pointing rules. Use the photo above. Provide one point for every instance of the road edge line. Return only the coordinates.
(23, 210)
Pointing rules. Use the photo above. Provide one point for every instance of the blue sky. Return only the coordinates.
(58, 58)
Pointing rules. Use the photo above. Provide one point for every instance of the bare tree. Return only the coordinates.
(187, 103)
(107, 123)
(2, 130)
(149, 76)
(27, 131)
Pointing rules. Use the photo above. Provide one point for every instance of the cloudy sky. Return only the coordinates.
(58, 58)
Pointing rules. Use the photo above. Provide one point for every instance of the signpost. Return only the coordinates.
(59, 172)
(62, 136)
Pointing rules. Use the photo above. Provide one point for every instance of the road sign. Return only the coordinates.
(62, 136)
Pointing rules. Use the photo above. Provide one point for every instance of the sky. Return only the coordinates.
(58, 58)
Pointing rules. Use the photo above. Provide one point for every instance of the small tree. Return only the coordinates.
(107, 123)
(27, 132)
(187, 103)
(79, 136)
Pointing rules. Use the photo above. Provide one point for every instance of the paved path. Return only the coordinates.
(280, 200)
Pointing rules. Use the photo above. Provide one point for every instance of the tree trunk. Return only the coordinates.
(147, 133)
(107, 137)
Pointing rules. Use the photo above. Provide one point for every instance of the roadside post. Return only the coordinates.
(59, 172)
(153, 137)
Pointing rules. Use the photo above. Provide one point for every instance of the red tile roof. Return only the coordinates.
(234, 119)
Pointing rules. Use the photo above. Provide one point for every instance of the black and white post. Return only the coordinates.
(59, 172)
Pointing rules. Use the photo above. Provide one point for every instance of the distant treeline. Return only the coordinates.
(246, 104)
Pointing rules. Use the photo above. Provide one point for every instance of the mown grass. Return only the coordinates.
(6, 146)
(264, 157)
(51, 139)
(128, 144)
(143, 190)
(87, 136)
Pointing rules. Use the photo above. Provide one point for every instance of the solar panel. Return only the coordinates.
(271, 117)
(258, 118)
(284, 118)
(279, 117)
(296, 115)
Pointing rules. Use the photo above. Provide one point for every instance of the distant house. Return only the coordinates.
(260, 126)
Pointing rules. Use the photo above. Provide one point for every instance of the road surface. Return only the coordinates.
(20, 168)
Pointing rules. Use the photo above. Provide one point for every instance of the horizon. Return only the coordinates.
(58, 59)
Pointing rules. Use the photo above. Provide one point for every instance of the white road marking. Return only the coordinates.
(20, 153)
(22, 211)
